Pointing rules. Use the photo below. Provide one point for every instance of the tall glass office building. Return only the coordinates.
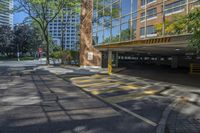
(126, 20)
(69, 25)
(6, 18)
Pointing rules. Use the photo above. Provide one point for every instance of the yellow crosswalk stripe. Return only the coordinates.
(88, 78)
(92, 80)
(86, 81)
(111, 90)
(103, 84)
(150, 92)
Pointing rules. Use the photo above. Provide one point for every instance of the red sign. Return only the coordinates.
(40, 50)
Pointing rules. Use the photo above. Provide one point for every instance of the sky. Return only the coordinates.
(18, 17)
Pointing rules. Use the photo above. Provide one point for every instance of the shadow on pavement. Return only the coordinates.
(39, 102)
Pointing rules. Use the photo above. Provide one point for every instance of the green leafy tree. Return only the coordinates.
(183, 24)
(21, 38)
(43, 12)
(193, 25)
(6, 38)
(26, 39)
(74, 10)
(177, 25)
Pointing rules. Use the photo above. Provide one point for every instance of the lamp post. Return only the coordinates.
(18, 54)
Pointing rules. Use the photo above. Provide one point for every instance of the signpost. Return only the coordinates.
(40, 51)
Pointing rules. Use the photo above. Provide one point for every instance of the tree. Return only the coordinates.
(21, 36)
(43, 12)
(193, 25)
(6, 38)
(66, 10)
(177, 25)
(182, 24)
(36, 41)
(26, 38)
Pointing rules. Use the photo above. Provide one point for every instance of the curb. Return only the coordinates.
(163, 122)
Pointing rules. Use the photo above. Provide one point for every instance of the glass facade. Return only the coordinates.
(69, 24)
(125, 20)
(114, 20)
(175, 7)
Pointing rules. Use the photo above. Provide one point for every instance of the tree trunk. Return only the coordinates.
(89, 56)
(46, 37)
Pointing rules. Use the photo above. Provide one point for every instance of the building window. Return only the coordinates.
(151, 32)
(107, 35)
(175, 7)
(151, 14)
(125, 32)
(195, 3)
(148, 2)
(115, 34)
(100, 37)
(126, 7)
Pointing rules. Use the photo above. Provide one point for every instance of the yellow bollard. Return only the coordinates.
(109, 62)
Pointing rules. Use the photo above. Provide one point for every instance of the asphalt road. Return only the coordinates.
(49, 99)
(37, 101)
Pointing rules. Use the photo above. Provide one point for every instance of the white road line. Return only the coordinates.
(131, 113)
(136, 115)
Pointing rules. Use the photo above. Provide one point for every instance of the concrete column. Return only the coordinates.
(104, 59)
(174, 62)
(116, 60)
(109, 62)
(89, 56)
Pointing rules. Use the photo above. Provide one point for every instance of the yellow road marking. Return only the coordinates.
(86, 81)
(150, 92)
(99, 84)
(92, 80)
(111, 90)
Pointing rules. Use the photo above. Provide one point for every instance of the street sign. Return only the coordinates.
(40, 50)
